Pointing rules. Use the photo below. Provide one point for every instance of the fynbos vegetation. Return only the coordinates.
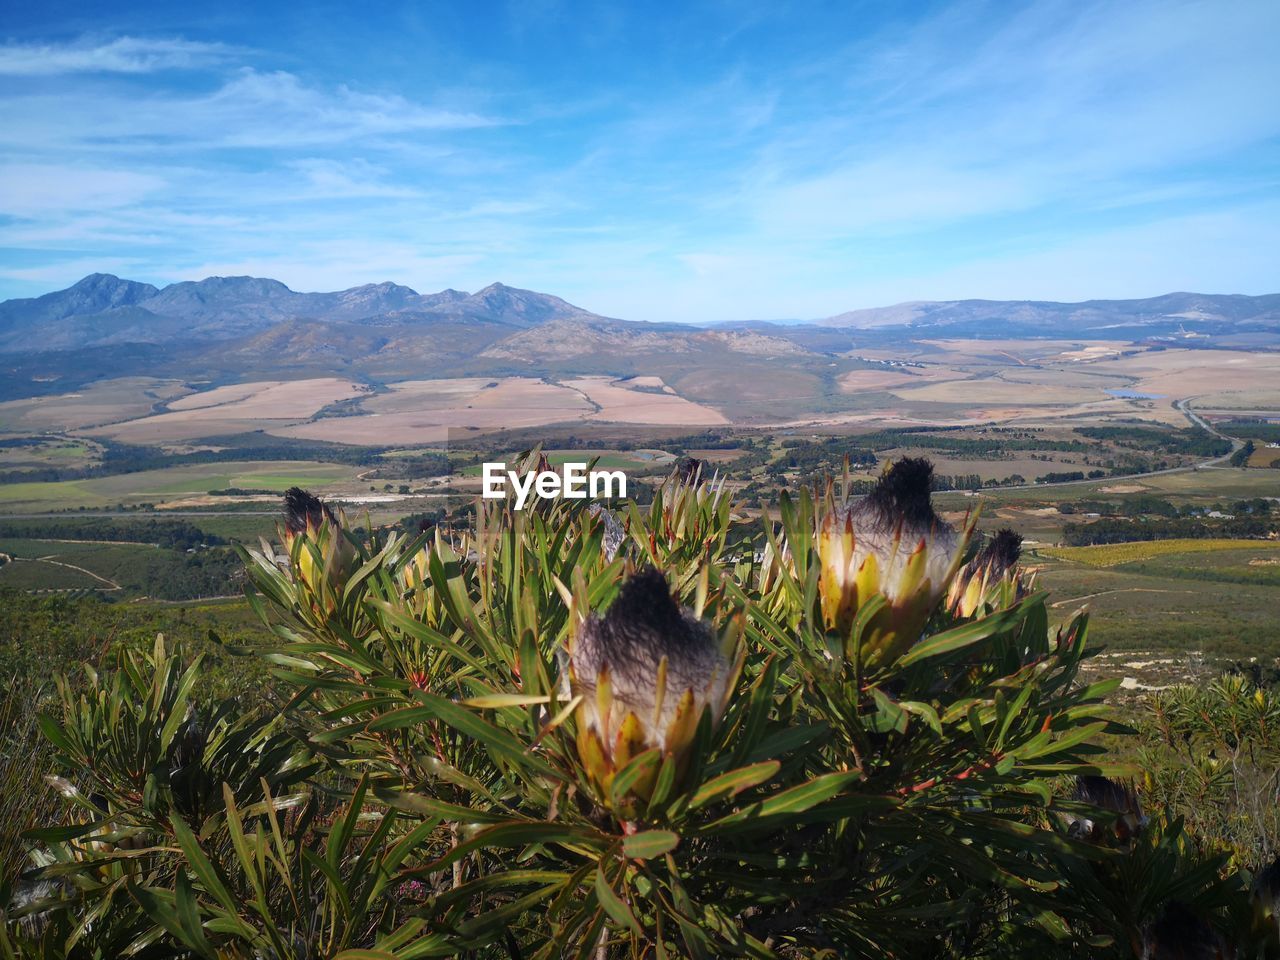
(560, 733)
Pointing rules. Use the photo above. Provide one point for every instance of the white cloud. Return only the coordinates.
(251, 110)
(63, 273)
(121, 55)
(338, 264)
(32, 190)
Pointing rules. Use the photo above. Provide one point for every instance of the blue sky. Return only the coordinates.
(693, 161)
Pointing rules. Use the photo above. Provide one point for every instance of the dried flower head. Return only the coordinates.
(305, 513)
(646, 672)
(890, 543)
(991, 580)
(321, 558)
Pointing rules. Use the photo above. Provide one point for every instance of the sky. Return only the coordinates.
(691, 161)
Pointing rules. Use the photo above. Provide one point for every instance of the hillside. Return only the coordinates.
(102, 310)
(1173, 314)
(228, 328)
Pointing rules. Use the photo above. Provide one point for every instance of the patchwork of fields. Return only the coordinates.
(171, 487)
(1003, 412)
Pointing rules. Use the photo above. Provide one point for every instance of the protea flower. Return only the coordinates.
(326, 559)
(991, 580)
(890, 543)
(693, 471)
(1115, 798)
(646, 672)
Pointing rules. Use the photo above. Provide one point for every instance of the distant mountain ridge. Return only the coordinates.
(1047, 317)
(224, 328)
(103, 309)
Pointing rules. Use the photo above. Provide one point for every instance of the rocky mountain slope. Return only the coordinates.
(222, 328)
(103, 309)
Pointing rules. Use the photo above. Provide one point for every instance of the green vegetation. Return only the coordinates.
(1125, 531)
(1121, 553)
(511, 739)
(1189, 441)
(151, 486)
(41, 637)
(170, 534)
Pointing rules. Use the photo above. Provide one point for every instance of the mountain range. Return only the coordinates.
(102, 309)
(224, 326)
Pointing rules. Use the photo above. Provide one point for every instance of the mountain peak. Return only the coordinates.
(96, 293)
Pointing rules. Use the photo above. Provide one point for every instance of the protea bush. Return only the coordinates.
(561, 733)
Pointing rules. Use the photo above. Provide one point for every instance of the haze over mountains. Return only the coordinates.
(225, 326)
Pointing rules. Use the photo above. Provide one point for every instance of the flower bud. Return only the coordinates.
(323, 562)
(890, 543)
(991, 580)
(646, 672)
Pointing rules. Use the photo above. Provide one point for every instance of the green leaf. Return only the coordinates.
(618, 911)
(640, 766)
(778, 808)
(734, 782)
(202, 866)
(648, 844)
(965, 635)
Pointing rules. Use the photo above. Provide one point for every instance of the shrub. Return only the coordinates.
(558, 732)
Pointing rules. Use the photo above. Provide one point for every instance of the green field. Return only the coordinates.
(52, 564)
(172, 483)
(1175, 552)
(43, 576)
(1159, 615)
(124, 571)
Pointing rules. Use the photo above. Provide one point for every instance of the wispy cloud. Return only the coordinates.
(249, 110)
(120, 55)
(716, 164)
(32, 190)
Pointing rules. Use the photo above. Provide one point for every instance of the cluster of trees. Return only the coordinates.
(1188, 441)
(1265, 431)
(940, 438)
(1126, 531)
(1241, 457)
(810, 457)
(178, 575)
(169, 534)
(1149, 505)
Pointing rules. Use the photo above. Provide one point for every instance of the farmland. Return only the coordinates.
(1113, 555)
(175, 486)
(996, 417)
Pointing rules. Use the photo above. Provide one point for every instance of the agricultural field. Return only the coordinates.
(235, 409)
(415, 412)
(1035, 383)
(172, 487)
(35, 453)
(1118, 554)
(621, 401)
(104, 402)
(1160, 614)
(118, 571)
